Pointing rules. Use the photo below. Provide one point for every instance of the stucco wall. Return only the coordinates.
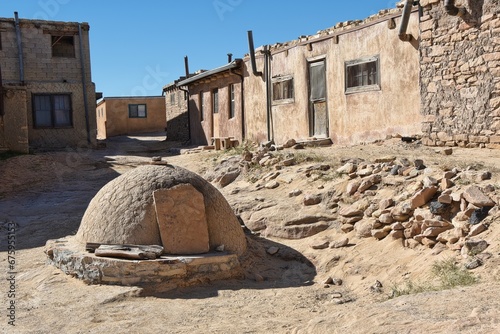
(460, 74)
(118, 121)
(352, 118)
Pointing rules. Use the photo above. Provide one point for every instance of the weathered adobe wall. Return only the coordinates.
(177, 117)
(118, 121)
(202, 131)
(255, 102)
(460, 74)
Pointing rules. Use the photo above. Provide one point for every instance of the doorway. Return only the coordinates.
(318, 111)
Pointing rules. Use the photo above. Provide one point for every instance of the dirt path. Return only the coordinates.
(48, 195)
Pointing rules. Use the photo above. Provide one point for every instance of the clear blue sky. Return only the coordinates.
(139, 46)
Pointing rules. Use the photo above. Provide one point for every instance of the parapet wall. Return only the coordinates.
(460, 74)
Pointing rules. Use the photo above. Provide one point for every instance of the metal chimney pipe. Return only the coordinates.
(229, 57)
(405, 17)
(186, 66)
(252, 54)
(19, 48)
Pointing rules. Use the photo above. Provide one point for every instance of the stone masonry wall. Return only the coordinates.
(460, 74)
(177, 116)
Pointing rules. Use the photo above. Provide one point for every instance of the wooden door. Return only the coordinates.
(318, 111)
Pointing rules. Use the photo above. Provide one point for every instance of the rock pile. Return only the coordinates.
(387, 198)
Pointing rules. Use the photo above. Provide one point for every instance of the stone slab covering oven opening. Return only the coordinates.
(181, 218)
(151, 208)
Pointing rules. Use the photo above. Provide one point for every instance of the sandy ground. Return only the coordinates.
(44, 196)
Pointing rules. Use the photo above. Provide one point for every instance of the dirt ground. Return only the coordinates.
(44, 196)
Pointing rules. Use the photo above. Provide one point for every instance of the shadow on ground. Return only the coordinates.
(284, 269)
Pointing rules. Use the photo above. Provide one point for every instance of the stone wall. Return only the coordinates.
(460, 74)
(177, 115)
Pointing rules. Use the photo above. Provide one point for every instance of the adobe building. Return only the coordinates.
(130, 115)
(216, 108)
(47, 94)
(460, 73)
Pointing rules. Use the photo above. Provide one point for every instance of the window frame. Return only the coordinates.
(232, 101)
(138, 104)
(52, 111)
(202, 106)
(215, 101)
(277, 82)
(62, 38)
(172, 98)
(362, 88)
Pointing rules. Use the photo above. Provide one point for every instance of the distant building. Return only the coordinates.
(128, 115)
(215, 103)
(47, 94)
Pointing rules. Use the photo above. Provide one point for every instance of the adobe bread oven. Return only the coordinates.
(157, 224)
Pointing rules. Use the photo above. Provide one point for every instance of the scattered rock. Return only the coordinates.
(340, 243)
(294, 193)
(321, 245)
(312, 199)
(272, 250)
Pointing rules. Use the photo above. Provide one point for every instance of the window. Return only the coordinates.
(283, 89)
(231, 101)
(172, 98)
(215, 101)
(137, 111)
(52, 111)
(63, 46)
(362, 75)
(317, 81)
(202, 106)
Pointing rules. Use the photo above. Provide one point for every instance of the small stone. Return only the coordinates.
(322, 245)
(473, 264)
(272, 250)
(156, 159)
(337, 281)
(377, 287)
(448, 151)
(341, 243)
(220, 248)
(272, 185)
(329, 280)
(312, 199)
(477, 229)
(258, 278)
(419, 164)
(294, 193)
